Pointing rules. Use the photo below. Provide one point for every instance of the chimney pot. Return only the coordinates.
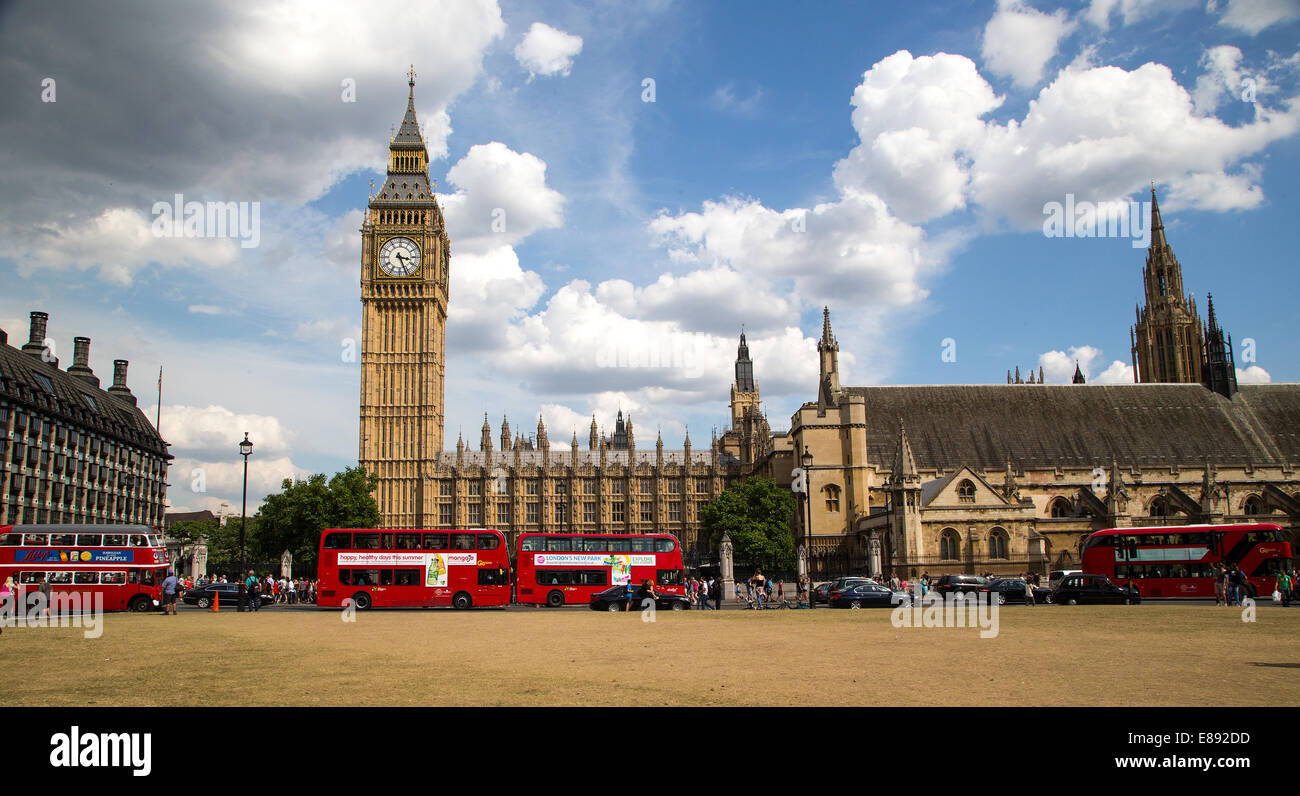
(36, 339)
(81, 351)
(119, 372)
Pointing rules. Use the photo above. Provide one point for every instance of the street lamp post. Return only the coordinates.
(245, 450)
(806, 461)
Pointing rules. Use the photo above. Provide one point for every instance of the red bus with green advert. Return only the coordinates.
(126, 564)
(390, 568)
(1179, 561)
(567, 568)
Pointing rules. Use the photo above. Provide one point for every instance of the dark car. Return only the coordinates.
(226, 593)
(949, 584)
(1012, 590)
(839, 585)
(615, 599)
(868, 595)
(1077, 589)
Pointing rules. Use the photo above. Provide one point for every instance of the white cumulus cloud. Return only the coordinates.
(1019, 41)
(547, 51)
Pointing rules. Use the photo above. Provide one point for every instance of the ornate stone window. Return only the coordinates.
(949, 545)
(1060, 507)
(832, 497)
(1158, 507)
(998, 543)
(966, 491)
(1252, 505)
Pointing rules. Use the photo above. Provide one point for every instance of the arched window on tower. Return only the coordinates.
(998, 543)
(832, 497)
(949, 545)
(1060, 507)
(966, 491)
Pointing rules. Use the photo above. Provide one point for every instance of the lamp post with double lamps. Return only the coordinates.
(806, 461)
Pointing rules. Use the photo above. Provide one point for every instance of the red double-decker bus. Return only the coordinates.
(1178, 561)
(124, 563)
(567, 568)
(412, 568)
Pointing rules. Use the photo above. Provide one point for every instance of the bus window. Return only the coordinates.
(533, 544)
(365, 541)
(137, 540)
(386, 541)
(492, 577)
(339, 540)
(408, 541)
(112, 578)
(488, 541)
(31, 578)
(365, 577)
(406, 577)
(385, 577)
(345, 577)
(665, 545)
(591, 577)
(435, 541)
(462, 541)
(558, 544)
(85, 578)
(668, 577)
(619, 545)
(146, 577)
(36, 539)
(61, 578)
(114, 540)
(554, 577)
(643, 545)
(11, 539)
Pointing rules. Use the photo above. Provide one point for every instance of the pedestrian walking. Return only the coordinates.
(716, 593)
(759, 583)
(1029, 589)
(45, 593)
(1220, 593)
(8, 592)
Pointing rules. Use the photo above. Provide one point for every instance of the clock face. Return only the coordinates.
(399, 257)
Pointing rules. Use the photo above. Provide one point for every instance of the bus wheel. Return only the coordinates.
(461, 600)
(141, 604)
(678, 605)
(204, 602)
(555, 599)
(614, 607)
(361, 601)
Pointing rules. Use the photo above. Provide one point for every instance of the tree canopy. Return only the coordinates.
(294, 518)
(756, 514)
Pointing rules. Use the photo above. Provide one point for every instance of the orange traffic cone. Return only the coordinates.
(216, 602)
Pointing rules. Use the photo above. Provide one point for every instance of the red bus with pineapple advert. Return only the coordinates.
(398, 568)
(1178, 561)
(557, 569)
(124, 563)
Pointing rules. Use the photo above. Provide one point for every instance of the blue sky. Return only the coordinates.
(890, 161)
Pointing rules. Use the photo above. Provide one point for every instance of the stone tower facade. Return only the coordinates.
(1167, 340)
(404, 294)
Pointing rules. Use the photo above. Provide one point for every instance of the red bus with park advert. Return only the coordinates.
(126, 564)
(388, 568)
(557, 569)
(1178, 560)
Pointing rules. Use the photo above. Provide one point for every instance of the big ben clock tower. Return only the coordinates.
(404, 259)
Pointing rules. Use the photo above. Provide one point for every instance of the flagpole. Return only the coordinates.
(157, 423)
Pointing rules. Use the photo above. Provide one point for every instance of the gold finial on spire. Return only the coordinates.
(410, 75)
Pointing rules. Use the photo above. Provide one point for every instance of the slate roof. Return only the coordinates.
(1082, 424)
(104, 414)
(561, 456)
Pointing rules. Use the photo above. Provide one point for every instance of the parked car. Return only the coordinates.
(868, 595)
(228, 593)
(839, 585)
(1076, 589)
(1055, 577)
(822, 593)
(961, 583)
(1012, 590)
(615, 599)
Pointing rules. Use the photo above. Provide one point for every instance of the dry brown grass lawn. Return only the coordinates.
(1050, 655)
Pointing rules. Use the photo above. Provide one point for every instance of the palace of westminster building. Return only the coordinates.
(944, 478)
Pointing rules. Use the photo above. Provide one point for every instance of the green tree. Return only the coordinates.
(756, 514)
(293, 519)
